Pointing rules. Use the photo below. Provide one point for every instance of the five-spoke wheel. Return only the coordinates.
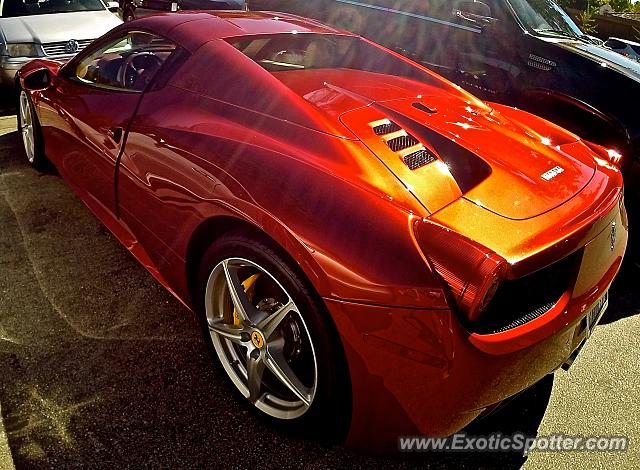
(30, 131)
(272, 335)
(260, 337)
(26, 126)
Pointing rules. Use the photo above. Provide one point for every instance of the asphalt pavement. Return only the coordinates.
(101, 368)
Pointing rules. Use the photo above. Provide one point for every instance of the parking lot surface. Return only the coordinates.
(100, 367)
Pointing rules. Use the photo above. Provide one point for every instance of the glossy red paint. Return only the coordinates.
(294, 155)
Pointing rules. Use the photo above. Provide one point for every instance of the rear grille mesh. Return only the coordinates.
(403, 142)
(418, 159)
(526, 318)
(60, 48)
(520, 301)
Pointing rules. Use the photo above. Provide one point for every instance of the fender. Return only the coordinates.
(576, 116)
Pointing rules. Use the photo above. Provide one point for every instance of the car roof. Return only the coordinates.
(191, 29)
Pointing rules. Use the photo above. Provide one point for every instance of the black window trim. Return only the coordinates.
(68, 70)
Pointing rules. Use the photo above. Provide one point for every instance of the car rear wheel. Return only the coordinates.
(30, 131)
(272, 336)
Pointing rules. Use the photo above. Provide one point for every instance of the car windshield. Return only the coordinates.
(545, 17)
(11, 8)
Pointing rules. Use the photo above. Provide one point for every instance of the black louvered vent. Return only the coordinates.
(403, 142)
(540, 63)
(418, 159)
(410, 150)
(386, 128)
(425, 109)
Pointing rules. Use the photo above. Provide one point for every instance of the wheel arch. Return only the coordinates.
(278, 238)
(17, 87)
(271, 233)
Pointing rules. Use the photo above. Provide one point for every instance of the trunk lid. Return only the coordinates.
(443, 145)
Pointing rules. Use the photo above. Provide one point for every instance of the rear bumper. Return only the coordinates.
(420, 372)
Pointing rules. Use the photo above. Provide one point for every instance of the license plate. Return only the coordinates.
(596, 311)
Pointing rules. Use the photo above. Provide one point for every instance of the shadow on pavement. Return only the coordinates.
(7, 101)
(101, 367)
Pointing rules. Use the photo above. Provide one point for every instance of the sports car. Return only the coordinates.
(371, 250)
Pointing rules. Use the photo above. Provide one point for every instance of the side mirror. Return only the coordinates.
(37, 80)
(113, 7)
(474, 11)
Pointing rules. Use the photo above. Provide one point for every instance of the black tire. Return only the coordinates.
(38, 160)
(328, 416)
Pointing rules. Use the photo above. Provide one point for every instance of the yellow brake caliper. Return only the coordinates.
(249, 287)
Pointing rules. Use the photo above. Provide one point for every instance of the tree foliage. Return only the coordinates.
(592, 6)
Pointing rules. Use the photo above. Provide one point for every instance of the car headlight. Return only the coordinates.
(26, 49)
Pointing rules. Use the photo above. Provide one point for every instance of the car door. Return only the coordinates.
(96, 97)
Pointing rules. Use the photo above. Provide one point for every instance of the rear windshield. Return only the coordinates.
(309, 51)
(11, 8)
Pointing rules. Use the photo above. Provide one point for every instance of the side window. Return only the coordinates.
(127, 63)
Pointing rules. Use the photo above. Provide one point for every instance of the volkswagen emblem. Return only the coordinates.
(614, 235)
(72, 46)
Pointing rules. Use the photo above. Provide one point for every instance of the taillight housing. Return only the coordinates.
(608, 155)
(472, 272)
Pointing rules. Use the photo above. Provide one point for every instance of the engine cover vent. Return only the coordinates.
(409, 149)
(402, 142)
(386, 128)
(424, 109)
(418, 159)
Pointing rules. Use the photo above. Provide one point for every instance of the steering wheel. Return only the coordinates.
(137, 67)
(288, 56)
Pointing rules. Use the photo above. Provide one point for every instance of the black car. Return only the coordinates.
(524, 53)
(132, 9)
(627, 48)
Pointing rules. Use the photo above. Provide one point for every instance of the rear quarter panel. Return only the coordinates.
(326, 200)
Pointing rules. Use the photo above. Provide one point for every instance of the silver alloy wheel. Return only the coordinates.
(261, 339)
(26, 127)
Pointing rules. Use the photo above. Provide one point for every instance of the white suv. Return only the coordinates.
(55, 29)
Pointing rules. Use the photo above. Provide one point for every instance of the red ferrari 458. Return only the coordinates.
(372, 251)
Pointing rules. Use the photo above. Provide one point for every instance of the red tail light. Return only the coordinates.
(472, 271)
